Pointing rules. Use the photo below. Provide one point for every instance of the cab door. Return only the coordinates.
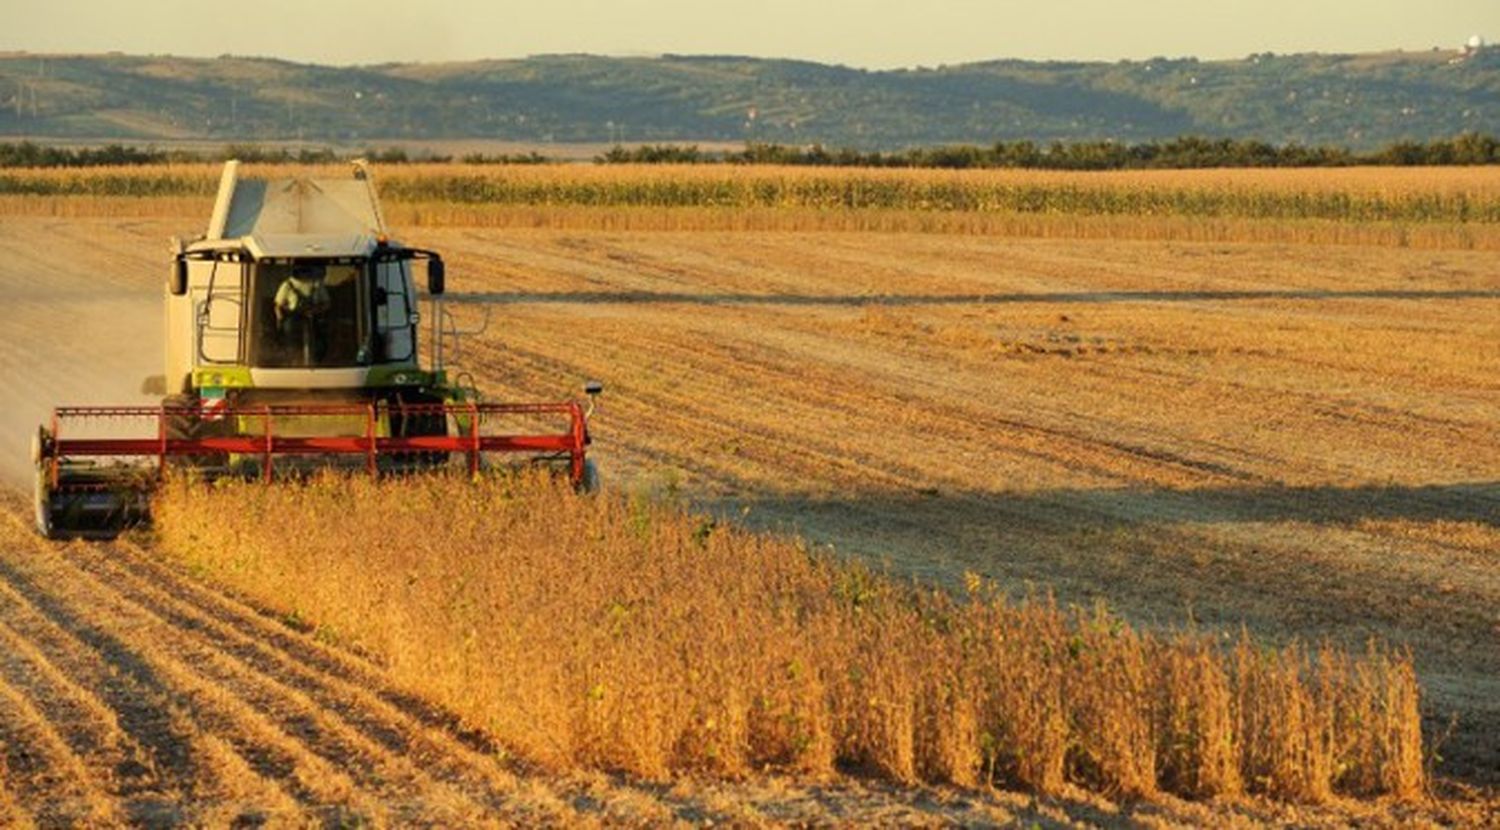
(218, 310)
(394, 317)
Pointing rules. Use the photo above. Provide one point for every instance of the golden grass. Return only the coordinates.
(625, 634)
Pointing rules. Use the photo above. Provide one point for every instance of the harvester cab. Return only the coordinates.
(293, 342)
(296, 285)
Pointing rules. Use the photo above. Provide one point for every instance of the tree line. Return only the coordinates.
(1187, 152)
(31, 154)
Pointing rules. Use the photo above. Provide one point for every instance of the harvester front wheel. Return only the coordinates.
(188, 424)
(42, 494)
(419, 424)
(590, 481)
(181, 425)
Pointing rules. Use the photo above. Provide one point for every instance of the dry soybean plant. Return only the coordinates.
(615, 632)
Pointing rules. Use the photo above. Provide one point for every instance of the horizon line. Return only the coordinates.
(665, 55)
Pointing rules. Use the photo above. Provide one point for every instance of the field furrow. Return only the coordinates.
(167, 768)
(376, 725)
(44, 780)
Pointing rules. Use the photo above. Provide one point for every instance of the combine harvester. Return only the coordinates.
(292, 345)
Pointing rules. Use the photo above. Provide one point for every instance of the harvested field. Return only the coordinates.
(1303, 439)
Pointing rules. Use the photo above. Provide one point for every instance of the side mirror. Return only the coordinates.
(177, 282)
(592, 388)
(435, 273)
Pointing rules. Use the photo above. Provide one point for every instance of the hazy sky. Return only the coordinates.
(867, 33)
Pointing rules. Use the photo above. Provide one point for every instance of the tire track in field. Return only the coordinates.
(128, 694)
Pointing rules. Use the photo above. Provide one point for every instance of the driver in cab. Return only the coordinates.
(301, 303)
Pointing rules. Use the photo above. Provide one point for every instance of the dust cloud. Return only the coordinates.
(69, 338)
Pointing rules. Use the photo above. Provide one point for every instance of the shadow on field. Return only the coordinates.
(1074, 508)
(1162, 557)
(1464, 502)
(1286, 554)
(857, 300)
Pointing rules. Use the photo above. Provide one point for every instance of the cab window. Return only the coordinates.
(305, 315)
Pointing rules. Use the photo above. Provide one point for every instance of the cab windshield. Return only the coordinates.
(306, 314)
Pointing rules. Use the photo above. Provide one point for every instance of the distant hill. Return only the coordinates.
(1359, 101)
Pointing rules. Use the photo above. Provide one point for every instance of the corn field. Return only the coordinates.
(1449, 195)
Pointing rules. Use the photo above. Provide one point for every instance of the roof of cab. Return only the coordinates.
(293, 245)
(281, 245)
